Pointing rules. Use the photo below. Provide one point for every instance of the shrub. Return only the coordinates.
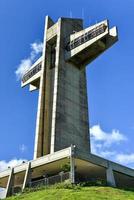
(65, 167)
(94, 183)
(66, 185)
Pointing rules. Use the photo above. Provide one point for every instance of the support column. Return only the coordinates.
(72, 164)
(110, 175)
(10, 183)
(27, 177)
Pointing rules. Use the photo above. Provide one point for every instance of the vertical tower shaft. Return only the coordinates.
(62, 117)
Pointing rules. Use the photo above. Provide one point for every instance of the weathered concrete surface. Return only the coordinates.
(110, 175)
(28, 176)
(10, 183)
(62, 117)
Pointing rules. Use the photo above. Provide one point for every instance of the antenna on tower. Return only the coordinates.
(90, 20)
(70, 14)
(83, 13)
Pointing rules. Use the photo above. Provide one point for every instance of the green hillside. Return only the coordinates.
(81, 193)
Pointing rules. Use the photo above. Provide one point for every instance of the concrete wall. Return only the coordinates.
(71, 119)
(62, 117)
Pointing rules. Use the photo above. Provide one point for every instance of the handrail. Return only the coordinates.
(86, 37)
(31, 72)
(51, 180)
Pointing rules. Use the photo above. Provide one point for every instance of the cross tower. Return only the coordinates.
(60, 76)
(62, 127)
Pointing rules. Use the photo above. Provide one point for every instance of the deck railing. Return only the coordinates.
(51, 180)
(61, 177)
(31, 73)
(86, 37)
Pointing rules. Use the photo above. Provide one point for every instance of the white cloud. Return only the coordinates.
(101, 150)
(103, 143)
(23, 67)
(99, 135)
(107, 154)
(4, 165)
(125, 158)
(25, 64)
(2, 193)
(22, 148)
(36, 48)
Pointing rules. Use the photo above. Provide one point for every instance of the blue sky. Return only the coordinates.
(110, 77)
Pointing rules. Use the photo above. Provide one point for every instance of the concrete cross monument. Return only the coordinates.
(60, 76)
(62, 127)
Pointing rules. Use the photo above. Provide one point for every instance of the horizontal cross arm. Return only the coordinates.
(32, 76)
(88, 44)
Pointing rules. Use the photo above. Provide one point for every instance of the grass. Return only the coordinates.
(76, 193)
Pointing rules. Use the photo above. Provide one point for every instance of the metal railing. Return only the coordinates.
(61, 177)
(31, 73)
(86, 37)
(51, 180)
